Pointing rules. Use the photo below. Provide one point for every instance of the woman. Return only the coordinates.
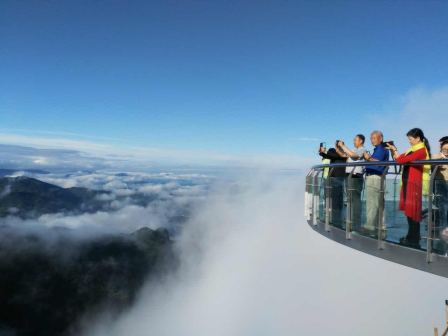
(441, 198)
(413, 178)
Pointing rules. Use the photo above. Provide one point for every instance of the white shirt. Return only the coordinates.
(360, 154)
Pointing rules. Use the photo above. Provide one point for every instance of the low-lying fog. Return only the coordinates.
(249, 264)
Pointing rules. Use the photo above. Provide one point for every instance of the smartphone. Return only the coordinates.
(321, 146)
(391, 143)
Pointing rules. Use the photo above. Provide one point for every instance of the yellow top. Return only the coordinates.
(426, 168)
(326, 170)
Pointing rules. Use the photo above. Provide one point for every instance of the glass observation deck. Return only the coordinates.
(350, 209)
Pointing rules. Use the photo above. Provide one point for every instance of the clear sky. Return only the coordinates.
(233, 77)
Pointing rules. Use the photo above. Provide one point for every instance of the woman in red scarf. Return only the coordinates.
(412, 183)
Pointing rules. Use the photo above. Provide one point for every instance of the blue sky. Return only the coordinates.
(231, 77)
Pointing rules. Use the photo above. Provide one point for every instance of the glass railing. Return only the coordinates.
(440, 215)
(372, 205)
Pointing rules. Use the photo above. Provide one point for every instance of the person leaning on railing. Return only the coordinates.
(354, 177)
(441, 196)
(373, 181)
(413, 187)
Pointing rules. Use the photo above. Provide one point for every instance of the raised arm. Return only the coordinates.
(415, 156)
(330, 155)
(348, 152)
(341, 153)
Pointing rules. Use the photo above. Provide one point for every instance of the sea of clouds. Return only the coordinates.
(252, 266)
(135, 200)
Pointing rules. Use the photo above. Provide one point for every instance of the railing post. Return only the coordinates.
(349, 218)
(430, 233)
(328, 209)
(306, 205)
(381, 203)
(315, 202)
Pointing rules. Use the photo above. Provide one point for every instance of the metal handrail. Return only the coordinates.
(381, 164)
(362, 242)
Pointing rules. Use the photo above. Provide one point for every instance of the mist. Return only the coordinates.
(250, 265)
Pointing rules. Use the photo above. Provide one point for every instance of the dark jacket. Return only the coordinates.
(334, 157)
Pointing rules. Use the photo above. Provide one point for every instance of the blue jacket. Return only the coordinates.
(380, 153)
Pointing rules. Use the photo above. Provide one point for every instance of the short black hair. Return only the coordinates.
(443, 139)
(362, 137)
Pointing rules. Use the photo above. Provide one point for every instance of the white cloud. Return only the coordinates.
(419, 107)
(151, 189)
(126, 208)
(6, 190)
(427, 109)
(251, 266)
(308, 139)
(126, 219)
(114, 185)
(14, 156)
(51, 152)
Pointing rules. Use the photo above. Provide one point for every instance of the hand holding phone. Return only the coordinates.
(322, 147)
(390, 145)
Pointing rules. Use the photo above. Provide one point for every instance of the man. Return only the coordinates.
(373, 181)
(354, 181)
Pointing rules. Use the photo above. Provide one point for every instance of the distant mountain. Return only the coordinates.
(28, 197)
(48, 285)
(8, 172)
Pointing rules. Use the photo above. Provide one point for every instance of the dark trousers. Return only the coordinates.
(441, 201)
(337, 201)
(440, 214)
(413, 235)
(354, 186)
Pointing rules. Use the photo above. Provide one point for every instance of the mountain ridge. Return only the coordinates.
(25, 196)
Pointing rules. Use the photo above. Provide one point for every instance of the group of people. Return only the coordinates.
(414, 181)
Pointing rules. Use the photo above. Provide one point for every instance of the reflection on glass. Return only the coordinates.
(365, 202)
(322, 197)
(337, 194)
(354, 188)
(440, 215)
(374, 200)
(401, 229)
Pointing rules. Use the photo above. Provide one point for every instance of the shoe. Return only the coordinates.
(368, 232)
(409, 243)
